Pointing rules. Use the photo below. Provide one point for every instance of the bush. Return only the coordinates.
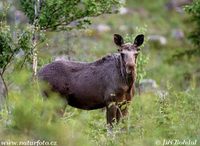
(194, 11)
(33, 118)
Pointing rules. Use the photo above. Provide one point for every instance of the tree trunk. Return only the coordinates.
(35, 38)
(35, 59)
(3, 91)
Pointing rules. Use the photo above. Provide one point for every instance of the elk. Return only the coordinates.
(107, 82)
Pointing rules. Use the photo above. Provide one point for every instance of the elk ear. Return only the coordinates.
(139, 40)
(119, 41)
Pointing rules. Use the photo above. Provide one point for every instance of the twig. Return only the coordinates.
(9, 60)
(25, 57)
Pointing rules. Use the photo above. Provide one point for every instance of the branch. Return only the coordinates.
(53, 11)
(75, 18)
(8, 62)
(23, 62)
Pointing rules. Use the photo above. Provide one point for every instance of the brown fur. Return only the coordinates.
(89, 86)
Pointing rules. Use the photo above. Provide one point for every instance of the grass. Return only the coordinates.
(153, 117)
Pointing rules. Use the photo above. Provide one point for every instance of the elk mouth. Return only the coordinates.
(129, 69)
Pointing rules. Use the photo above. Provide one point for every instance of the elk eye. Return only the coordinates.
(136, 54)
(120, 49)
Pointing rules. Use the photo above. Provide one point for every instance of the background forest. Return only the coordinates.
(167, 101)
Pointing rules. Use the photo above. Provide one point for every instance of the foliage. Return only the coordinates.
(62, 14)
(12, 42)
(6, 47)
(153, 117)
(194, 11)
(32, 118)
(142, 60)
(10, 45)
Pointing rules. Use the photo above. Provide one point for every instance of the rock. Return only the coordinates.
(123, 28)
(123, 10)
(20, 54)
(157, 38)
(63, 57)
(177, 34)
(74, 23)
(103, 28)
(20, 17)
(177, 5)
(148, 85)
(142, 12)
(16, 16)
(2, 93)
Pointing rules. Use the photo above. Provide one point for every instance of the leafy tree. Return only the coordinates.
(66, 14)
(62, 15)
(10, 45)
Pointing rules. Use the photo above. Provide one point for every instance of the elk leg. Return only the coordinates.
(119, 114)
(122, 111)
(111, 110)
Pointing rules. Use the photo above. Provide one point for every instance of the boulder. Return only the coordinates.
(177, 5)
(177, 34)
(148, 85)
(158, 38)
(103, 28)
(123, 11)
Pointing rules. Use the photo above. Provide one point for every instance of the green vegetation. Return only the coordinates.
(170, 112)
(58, 14)
(194, 11)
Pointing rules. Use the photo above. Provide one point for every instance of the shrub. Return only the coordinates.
(194, 11)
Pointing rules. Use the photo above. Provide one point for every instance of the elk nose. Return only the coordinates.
(130, 67)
